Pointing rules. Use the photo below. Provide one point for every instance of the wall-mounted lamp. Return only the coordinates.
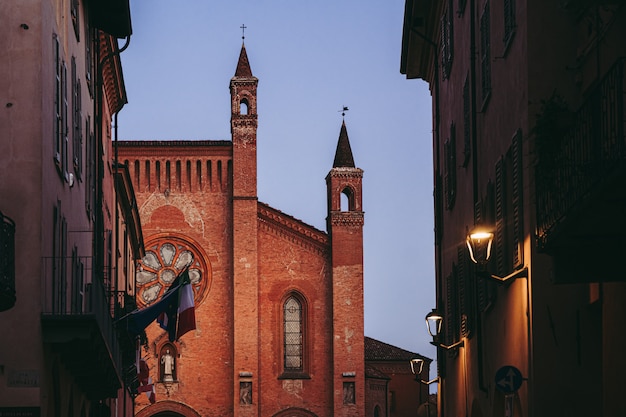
(479, 242)
(417, 365)
(434, 322)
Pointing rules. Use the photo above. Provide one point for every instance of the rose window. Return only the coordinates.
(165, 258)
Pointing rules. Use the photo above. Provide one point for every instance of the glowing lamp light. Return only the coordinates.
(479, 243)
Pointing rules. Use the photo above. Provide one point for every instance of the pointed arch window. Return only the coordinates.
(294, 360)
(292, 314)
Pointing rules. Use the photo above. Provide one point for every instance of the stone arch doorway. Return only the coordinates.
(168, 409)
(295, 412)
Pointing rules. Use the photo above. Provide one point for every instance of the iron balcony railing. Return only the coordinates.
(7, 263)
(592, 148)
(71, 306)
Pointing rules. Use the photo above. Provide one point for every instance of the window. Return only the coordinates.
(466, 290)
(59, 266)
(58, 121)
(447, 41)
(509, 21)
(88, 60)
(347, 199)
(485, 55)
(467, 120)
(166, 257)
(293, 339)
(452, 329)
(243, 107)
(508, 208)
(77, 123)
(75, 18)
(90, 168)
(449, 150)
(64, 123)
(78, 272)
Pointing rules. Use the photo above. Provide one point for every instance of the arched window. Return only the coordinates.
(243, 107)
(347, 199)
(292, 335)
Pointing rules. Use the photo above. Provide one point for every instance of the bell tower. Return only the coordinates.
(243, 124)
(345, 228)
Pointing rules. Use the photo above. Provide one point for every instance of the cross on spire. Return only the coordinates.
(243, 31)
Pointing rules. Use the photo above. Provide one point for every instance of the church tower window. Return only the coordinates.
(347, 199)
(243, 107)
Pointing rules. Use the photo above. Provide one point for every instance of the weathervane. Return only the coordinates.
(343, 111)
(243, 31)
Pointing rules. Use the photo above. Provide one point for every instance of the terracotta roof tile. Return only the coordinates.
(376, 350)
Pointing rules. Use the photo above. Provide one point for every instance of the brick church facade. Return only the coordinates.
(279, 303)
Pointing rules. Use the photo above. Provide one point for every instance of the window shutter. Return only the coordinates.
(467, 145)
(465, 292)
(517, 195)
(500, 238)
(485, 53)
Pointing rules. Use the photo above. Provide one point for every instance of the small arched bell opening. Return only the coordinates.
(243, 106)
(347, 199)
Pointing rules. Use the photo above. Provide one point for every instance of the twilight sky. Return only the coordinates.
(311, 59)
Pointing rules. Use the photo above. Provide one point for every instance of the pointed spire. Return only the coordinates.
(243, 66)
(343, 155)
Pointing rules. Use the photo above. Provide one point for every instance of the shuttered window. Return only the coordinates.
(447, 44)
(508, 240)
(449, 149)
(485, 54)
(509, 21)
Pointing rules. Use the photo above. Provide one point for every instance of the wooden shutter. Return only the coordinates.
(517, 203)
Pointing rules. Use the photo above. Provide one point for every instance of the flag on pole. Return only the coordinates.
(179, 317)
(175, 311)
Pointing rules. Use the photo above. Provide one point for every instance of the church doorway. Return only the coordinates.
(168, 409)
(295, 412)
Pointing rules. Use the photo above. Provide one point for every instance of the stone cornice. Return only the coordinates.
(292, 229)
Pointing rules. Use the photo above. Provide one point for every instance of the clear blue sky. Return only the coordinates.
(311, 58)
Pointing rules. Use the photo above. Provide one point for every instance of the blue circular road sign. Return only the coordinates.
(508, 379)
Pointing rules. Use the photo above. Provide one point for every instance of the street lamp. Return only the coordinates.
(479, 243)
(434, 322)
(417, 365)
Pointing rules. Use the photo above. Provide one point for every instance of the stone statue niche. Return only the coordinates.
(167, 363)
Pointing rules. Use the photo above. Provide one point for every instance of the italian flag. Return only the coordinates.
(180, 315)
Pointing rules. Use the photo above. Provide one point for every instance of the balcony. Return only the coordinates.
(80, 329)
(7, 263)
(581, 186)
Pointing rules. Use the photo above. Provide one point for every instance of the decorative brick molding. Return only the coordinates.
(347, 218)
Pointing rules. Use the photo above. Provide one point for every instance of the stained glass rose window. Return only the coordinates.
(165, 258)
